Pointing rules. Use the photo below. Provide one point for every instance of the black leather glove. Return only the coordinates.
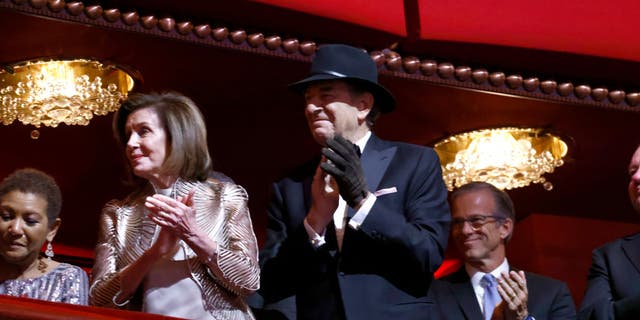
(345, 167)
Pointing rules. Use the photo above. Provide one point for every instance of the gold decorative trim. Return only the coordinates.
(392, 63)
(445, 73)
(166, 27)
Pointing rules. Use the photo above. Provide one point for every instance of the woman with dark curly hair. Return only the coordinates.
(30, 203)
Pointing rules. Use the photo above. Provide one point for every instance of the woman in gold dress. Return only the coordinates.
(180, 245)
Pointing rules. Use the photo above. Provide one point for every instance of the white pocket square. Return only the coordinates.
(384, 191)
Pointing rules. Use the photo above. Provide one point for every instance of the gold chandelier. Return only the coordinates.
(505, 157)
(61, 91)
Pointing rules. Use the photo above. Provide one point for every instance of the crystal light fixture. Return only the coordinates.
(60, 91)
(505, 157)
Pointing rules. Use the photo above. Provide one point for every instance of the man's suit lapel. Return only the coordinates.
(375, 160)
(631, 248)
(464, 294)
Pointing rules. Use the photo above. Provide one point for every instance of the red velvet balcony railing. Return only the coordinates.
(23, 308)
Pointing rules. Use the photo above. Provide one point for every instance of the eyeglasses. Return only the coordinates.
(476, 222)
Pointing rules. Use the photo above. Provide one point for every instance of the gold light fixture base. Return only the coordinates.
(505, 157)
(61, 91)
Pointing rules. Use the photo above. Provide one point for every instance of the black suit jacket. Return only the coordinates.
(613, 290)
(456, 300)
(386, 266)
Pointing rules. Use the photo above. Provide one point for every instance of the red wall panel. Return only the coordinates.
(605, 28)
(385, 15)
(560, 246)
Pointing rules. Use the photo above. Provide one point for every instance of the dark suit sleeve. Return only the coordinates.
(287, 258)
(412, 231)
(598, 302)
(286, 249)
(562, 307)
(549, 299)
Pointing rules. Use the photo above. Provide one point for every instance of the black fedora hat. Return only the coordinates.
(339, 61)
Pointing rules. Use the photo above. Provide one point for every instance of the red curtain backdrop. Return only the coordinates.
(605, 28)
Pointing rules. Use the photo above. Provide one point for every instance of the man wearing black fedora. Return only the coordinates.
(353, 236)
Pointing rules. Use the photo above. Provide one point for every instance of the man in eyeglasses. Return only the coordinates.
(486, 287)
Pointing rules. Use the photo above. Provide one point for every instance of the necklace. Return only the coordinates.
(42, 266)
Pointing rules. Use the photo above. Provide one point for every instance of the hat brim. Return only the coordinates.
(383, 98)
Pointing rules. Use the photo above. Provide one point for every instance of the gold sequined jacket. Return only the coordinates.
(221, 212)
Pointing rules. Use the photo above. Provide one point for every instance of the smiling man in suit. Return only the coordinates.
(357, 233)
(613, 290)
(486, 287)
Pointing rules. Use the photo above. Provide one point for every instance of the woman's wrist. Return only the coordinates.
(193, 238)
(152, 254)
(212, 256)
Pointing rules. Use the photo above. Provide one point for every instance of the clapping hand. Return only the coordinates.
(324, 201)
(345, 167)
(512, 287)
(176, 216)
(165, 244)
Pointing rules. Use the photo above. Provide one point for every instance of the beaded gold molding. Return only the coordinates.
(446, 73)
(392, 63)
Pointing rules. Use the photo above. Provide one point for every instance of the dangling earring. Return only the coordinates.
(49, 251)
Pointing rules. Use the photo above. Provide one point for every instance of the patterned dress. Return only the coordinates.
(66, 283)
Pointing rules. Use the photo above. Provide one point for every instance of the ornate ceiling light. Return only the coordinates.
(60, 91)
(505, 157)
